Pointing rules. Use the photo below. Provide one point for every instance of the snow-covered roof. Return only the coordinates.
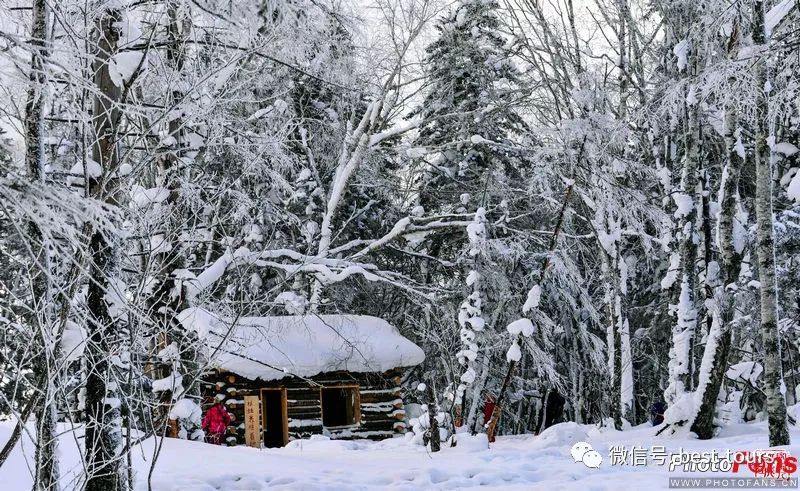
(270, 348)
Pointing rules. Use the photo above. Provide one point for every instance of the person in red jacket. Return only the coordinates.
(216, 423)
(488, 410)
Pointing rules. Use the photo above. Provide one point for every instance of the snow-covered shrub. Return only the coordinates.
(420, 426)
(189, 417)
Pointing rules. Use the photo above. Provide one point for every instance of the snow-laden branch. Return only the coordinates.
(399, 129)
(396, 231)
(326, 270)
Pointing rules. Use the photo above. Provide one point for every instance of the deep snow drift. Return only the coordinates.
(519, 462)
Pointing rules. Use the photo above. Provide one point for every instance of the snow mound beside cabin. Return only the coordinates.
(270, 348)
(563, 434)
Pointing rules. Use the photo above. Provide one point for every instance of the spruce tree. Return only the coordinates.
(468, 111)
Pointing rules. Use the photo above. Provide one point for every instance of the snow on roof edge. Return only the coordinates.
(271, 348)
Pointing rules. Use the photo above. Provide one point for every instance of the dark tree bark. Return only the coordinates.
(103, 415)
(433, 428)
(703, 424)
(773, 373)
(46, 472)
(164, 304)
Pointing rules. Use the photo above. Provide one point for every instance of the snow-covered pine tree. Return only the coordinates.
(469, 158)
(469, 112)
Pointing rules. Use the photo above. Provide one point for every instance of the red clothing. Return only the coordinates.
(488, 411)
(217, 419)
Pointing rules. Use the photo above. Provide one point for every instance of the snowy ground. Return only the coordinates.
(523, 462)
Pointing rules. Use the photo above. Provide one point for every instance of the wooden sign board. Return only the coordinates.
(252, 421)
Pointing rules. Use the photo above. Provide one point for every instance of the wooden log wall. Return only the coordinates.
(382, 413)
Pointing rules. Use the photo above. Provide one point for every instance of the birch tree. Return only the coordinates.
(765, 246)
(46, 467)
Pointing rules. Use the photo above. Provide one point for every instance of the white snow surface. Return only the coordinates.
(270, 348)
(521, 326)
(292, 302)
(524, 462)
(793, 191)
(683, 203)
(785, 148)
(73, 341)
(514, 353)
(776, 15)
(745, 371)
(533, 299)
(186, 409)
(681, 51)
(123, 65)
(142, 197)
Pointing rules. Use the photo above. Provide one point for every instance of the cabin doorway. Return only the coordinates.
(274, 417)
(341, 406)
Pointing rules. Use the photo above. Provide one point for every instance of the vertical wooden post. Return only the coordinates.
(252, 421)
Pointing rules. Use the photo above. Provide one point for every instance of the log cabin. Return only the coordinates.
(332, 375)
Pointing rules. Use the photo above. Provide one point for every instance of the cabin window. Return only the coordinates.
(341, 406)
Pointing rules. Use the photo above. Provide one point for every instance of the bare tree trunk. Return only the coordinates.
(623, 379)
(683, 330)
(731, 259)
(579, 411)
(350, 157)
(689, 186)
(477, 390)
(543, 420)
(614, 341)
(627, 375)
(624, 68)
(576, 379)
(46, 472)
(169, 297)
(773, 376)
(103, 415)
(433, 424)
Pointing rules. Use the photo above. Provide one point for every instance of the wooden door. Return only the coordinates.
(275, 421)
